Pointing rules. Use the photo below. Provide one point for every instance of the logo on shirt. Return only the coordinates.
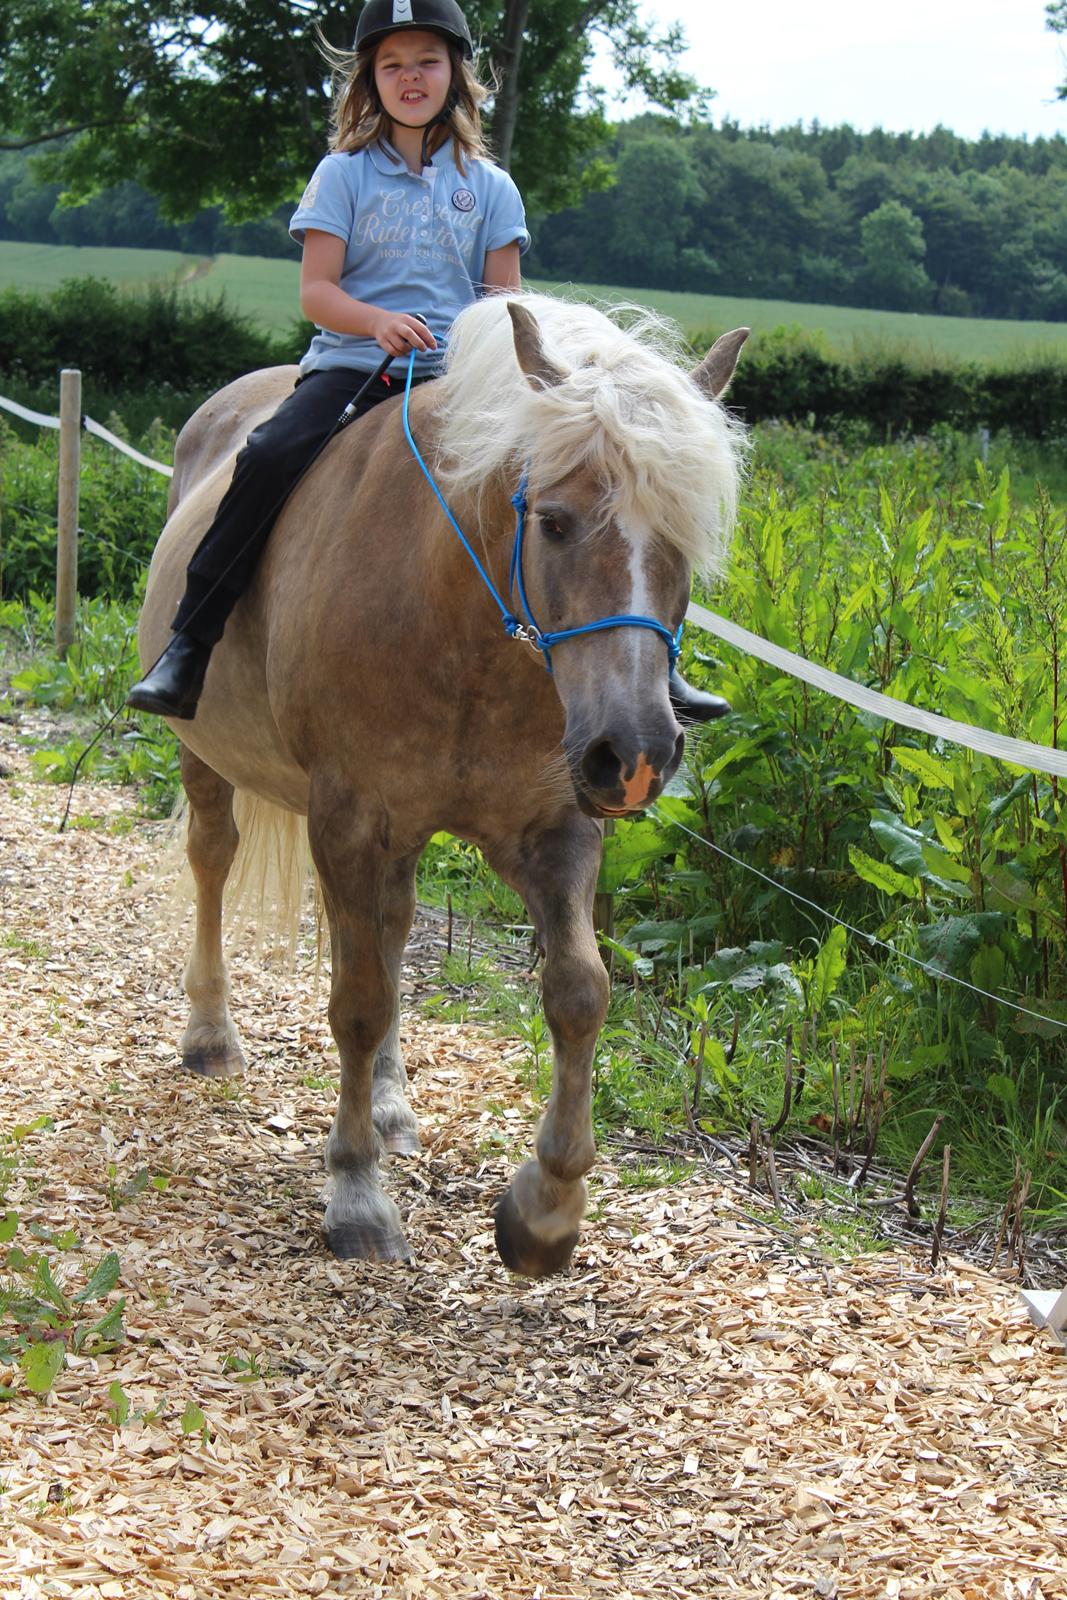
(307, 200)
(463, 200)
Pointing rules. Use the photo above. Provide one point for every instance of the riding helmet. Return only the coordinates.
(381, 17)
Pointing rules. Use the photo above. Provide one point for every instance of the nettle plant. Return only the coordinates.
(938, 588)
(46, 1310)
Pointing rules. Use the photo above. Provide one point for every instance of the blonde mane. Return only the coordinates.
(665, 457)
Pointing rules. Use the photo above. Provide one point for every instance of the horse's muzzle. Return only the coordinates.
(617, 775)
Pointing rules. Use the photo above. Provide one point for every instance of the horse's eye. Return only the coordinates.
(551, 526)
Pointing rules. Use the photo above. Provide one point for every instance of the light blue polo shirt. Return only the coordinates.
(414, 242)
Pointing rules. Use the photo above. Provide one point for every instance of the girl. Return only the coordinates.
(406, 214)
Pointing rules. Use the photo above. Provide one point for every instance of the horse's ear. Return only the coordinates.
(530, 351)
(717, 368)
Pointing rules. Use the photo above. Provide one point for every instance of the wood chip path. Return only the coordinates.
(702, 1406)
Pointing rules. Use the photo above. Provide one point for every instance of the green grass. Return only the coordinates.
(267, 292)
(847, 329)
(46, 266)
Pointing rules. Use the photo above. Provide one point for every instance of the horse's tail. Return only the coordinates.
(272, 883)
(272, 892)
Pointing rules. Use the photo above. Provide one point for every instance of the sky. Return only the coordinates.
(902, 65)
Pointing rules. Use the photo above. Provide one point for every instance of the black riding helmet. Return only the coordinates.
(382, 17)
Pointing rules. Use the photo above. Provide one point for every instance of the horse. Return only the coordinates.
(365, 684)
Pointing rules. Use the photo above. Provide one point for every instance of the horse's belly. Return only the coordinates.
(261, 767)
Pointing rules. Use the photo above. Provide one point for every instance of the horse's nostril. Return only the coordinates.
(679, 751)
(601, 767)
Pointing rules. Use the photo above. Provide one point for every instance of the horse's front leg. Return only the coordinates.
(537, 1219)
(361, 1220)
(393, 1118)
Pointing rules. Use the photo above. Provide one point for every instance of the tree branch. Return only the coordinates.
(63, 133)
(595, 9)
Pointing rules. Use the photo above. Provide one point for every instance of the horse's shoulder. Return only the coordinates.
(220, 426)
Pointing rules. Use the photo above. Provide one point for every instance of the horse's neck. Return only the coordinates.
(487, 522)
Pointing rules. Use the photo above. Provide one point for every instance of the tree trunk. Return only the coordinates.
(509, 58)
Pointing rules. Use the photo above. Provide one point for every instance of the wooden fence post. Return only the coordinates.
(70, 432)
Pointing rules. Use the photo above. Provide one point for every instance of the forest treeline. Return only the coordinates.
(126, 216)
(904, 222)
(911, 222)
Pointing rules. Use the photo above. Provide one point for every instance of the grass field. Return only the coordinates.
(45, 266)
(266, 291)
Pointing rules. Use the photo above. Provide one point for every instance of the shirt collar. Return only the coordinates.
(386, 159)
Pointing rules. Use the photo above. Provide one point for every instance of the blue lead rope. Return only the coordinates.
(530, 632)
(512, 625)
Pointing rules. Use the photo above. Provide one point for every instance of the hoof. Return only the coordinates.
(401, 1142)
(351, 1243)
(223, 1062)
(522, 1251)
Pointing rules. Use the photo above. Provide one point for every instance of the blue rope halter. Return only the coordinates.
(528, 631)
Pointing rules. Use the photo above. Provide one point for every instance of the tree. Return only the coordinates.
(649, 227)
(893, 250)
(1057, 23)
(228, 102)
(763, 207)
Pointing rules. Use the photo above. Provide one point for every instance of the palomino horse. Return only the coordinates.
(365, 683)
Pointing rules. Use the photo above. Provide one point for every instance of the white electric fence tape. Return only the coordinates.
(1019, 752)
(29, 416)
(127, 449)
(90, 427)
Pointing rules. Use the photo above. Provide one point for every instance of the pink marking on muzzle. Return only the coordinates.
(636, 789)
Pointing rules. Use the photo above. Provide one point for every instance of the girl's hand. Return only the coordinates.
(398, 332)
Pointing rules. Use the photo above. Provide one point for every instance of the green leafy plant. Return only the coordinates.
(194, 1421)
(45, 1315)
(93, 678)
(120, 1194)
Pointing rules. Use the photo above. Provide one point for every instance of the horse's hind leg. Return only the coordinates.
(394, 1119)
(537, 1219)
(210, 1045)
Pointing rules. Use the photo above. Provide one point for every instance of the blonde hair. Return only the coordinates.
(358, 120)
(626, 408)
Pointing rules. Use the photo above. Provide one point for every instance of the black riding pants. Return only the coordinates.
(272, 459)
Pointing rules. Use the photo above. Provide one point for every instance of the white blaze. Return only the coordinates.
(638, 537)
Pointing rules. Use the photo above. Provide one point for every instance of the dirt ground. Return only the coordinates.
(705, 1405)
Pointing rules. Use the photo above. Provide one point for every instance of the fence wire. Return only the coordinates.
(869, 939)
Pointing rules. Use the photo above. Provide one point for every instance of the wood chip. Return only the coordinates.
(692, 1410)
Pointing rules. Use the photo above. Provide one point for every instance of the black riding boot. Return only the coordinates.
(693, 705)
(172, 688)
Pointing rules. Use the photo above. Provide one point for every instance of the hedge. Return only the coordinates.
(180, 347)
(795, 379)
(131, 339)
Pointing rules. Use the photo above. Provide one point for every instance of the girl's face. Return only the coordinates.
(413, 74)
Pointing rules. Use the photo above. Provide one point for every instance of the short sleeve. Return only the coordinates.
(328, 202)
(505, 221)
